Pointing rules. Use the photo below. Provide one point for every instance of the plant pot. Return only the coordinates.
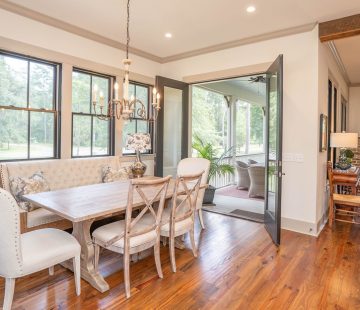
(209, 195)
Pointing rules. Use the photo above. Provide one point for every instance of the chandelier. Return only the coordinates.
(125, 108)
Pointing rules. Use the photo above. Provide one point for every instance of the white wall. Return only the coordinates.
(300, 112)
(354, 109)
(327, 68)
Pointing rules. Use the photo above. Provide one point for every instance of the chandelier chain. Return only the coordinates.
(127, 30)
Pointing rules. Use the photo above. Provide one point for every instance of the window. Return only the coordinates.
(90, 135)
(141, 92)
(28, 108)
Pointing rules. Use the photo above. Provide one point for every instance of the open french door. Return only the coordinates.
(273, 149)
(172, 125)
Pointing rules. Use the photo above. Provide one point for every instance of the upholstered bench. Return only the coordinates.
(59, 174)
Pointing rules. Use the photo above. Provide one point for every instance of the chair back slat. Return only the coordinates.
(147, 192)
(184, 204)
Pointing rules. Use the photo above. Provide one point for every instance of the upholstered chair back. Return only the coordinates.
(189, 166)
(10, 243)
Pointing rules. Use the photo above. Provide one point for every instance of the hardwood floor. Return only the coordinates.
(238, 268)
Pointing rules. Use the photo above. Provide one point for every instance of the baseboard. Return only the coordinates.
(302, 227)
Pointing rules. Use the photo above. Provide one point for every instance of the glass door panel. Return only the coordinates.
(172, 130)
(274, 90)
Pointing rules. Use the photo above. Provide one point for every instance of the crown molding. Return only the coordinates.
(57, 23)
(244, 41)
(338, 61)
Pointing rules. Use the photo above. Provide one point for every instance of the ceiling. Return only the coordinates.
(240, 88)
(194, 24)
(349, 51)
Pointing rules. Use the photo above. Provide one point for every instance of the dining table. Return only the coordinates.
(85, 204)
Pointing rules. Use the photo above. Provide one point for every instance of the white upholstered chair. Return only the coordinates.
(179, 219)
(189, 166)
(132, 235)
(24, 254)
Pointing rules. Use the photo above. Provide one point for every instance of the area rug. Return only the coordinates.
(246, 209)
(232, 191)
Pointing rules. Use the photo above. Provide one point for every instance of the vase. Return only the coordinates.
(138, 168)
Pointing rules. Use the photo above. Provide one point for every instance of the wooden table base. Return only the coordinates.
(81, 231)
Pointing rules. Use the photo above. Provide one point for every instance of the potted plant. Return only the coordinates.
(217, 167)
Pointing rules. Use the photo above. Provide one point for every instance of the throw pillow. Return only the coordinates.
(20, 186)
(111, 175)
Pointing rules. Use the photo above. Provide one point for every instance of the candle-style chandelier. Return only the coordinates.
(125, 108)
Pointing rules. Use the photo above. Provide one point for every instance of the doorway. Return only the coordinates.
(241, 120)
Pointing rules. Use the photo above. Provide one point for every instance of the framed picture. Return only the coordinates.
(323, 133)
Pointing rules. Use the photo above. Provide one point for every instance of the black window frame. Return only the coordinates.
(56, 109)
(148, 117)
(111, 148)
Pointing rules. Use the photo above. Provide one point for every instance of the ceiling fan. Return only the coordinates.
(257, 79)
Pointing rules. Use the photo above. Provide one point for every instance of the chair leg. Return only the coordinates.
(331, 212)
(77, 273)
(127, 274)
(157, 259)
(9, 293)
(201, 219)
(193, 245)
(51, 270)
(96, 256)
(172, 253)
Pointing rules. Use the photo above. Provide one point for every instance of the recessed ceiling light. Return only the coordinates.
(250, 9)
(168, 35)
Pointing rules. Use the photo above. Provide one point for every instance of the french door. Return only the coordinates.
(172, 125)
(273, 149)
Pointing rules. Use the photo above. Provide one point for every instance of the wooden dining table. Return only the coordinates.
(82, 206)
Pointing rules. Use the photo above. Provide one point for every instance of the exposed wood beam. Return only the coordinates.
(339, 28)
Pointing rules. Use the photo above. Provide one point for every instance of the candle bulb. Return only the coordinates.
(101, 99)
(158, 100)
(154, 95)
(116, 89)
(94, 93)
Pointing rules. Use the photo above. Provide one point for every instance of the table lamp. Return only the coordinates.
(344, 140)
(138, 142)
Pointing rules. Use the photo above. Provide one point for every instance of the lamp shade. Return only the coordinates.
(138, 142)
(344, 139)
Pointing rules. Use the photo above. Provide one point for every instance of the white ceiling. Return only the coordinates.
(349, 52)
(194, 24)
(241, 88)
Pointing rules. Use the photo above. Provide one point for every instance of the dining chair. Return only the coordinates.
(179, 219)
(188, 166)
(132, 235)
(343, 205)
(24, 254)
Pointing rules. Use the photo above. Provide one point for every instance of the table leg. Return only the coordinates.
(81, 231)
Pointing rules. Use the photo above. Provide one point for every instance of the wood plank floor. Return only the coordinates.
(238, 268)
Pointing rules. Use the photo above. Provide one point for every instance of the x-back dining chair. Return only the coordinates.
(180, 217)
(132, 235)
(347, 206)
(188, 166)
(24, 254)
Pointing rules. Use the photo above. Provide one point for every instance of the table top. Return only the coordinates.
(82, 203)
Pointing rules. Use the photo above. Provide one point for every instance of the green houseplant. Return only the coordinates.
(217, 167)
